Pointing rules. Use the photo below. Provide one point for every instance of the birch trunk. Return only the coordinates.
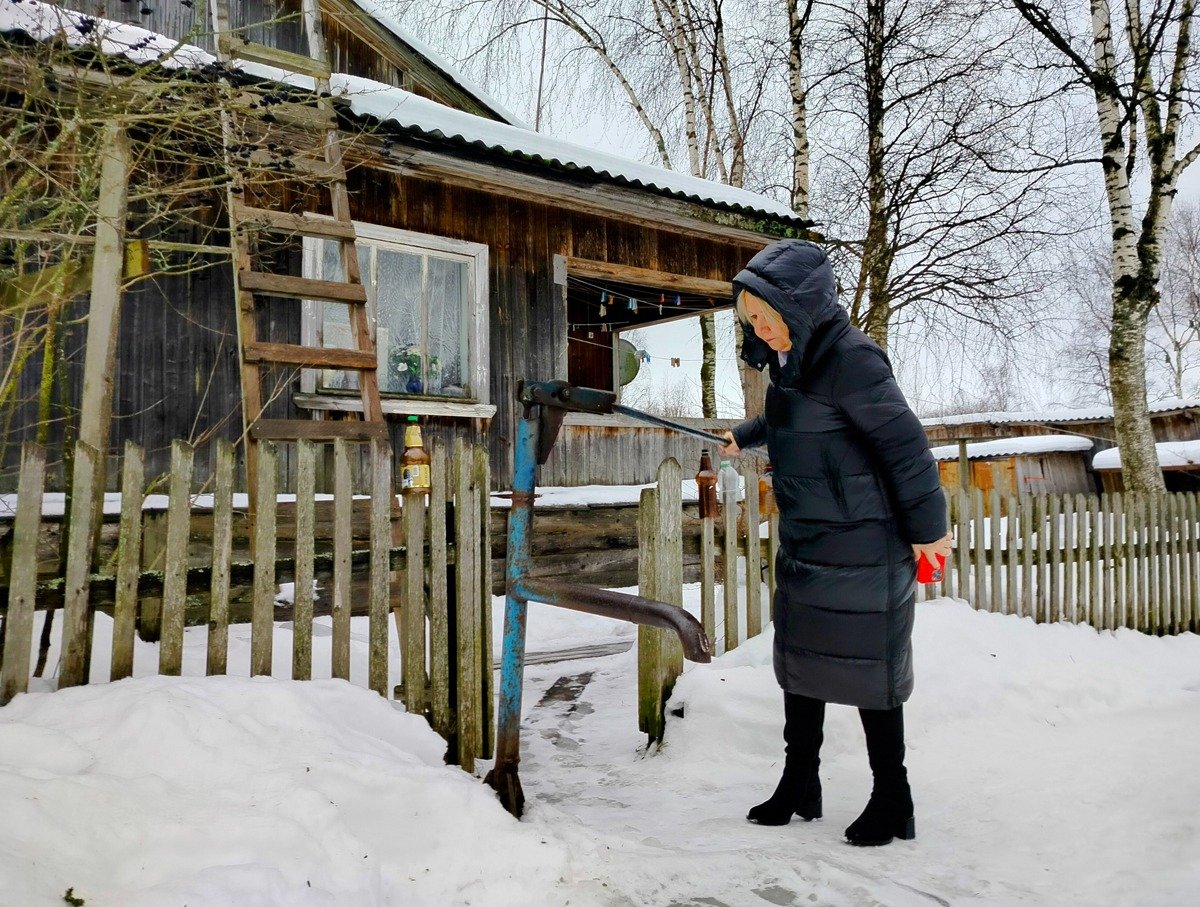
(799, 108)
(708, 367)
(872, 305)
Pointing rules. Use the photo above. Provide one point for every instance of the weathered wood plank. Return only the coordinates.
(382, 501)
(708, 563)
(1054, 587)
(649, 645)
(222, 546)
(129, 562)
(18, 619)
(305, 224)
(170, 649)
(729, 566)
(660, 656)
(1176, 527)
(302, 615)
(979, 548)
(310, 356)
(1012, 602)
(1153, 578)
(263, 610)
(1071, 577)
(483, 522)
(342, 545)
(442, 717)
(1119, 563)
(1025, 609)
(467, 641)
(962, 513)
(754, 619)
(77, 624)
(317, 430)
(1095, 560)
(303, 287)
(996, 596)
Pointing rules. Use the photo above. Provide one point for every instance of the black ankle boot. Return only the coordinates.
(888, 815)
(889, 812)
(799, 790)
(793, 797)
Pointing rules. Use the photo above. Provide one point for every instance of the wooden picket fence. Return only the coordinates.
(739, 568)
(1111, 561)
(424, 562)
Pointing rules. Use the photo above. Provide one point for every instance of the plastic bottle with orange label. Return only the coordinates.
(414, 464)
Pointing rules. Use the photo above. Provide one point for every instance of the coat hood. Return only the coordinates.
(796, 279)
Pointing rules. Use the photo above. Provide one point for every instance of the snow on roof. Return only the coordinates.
(1009, 447)
(1091, 414)
(43, 21)
(395, 105)
(376, 11)
(1171, 455)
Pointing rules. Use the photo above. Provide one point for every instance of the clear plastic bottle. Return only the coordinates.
(727, 481)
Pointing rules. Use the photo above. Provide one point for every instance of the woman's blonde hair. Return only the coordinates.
(739, 305)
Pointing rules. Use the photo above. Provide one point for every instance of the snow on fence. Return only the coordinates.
(1114, 560)
(153, 583)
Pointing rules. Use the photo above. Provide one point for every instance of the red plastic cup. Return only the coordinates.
(927, 573)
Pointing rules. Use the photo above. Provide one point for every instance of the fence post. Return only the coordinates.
(129, 560)
(343, 544)
(483, 575)
(996, 561)
(979, 543)
(706, 481)
(22, 577)
(1054, 590)
(962, 508)
(660, 577)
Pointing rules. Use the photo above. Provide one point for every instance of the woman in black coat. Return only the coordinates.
(859, 499)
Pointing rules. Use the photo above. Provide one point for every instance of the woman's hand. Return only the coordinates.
(731, 449)
(942, 546)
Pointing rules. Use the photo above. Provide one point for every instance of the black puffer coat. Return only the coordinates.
(856, 486)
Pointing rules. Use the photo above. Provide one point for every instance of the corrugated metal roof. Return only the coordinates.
(1171, 455)
(1089, 414)
(1014, 447)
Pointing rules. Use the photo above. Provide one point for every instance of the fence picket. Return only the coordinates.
(1106, 572)
(129, 561)
(977, 540)
(1176, 528)
(217, 656)
(466, 609)
(996, 560)
(1133, 536)
(1193, 580)
(1119, 562)
(1071, 574)
(1156, 589)
(302, 600)
(483, 569)
(262, 613)
(729, 565)
(412, 624)
(660, 656)
(383, 500)
(1027, 539)
(772, 560)
(708, 563)
(962, 519)
(439, 599)
(1054, 589)
(77, 618)
(1011, 550)
(22, 575)
(179, 516)
(343, 544)
(754, 620)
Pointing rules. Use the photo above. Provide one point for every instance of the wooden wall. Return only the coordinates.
(177, 369)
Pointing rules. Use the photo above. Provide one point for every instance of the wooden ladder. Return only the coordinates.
(317, 116)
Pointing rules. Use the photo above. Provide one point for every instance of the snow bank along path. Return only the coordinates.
(1051, 765)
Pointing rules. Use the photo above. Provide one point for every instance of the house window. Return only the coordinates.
(427, 308)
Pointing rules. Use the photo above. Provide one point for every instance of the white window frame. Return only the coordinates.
(312, 323)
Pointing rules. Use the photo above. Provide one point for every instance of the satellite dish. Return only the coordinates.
(628, 361)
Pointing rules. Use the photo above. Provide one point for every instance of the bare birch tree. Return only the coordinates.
(1136, 62)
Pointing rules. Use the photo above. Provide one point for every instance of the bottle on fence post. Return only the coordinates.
(414, 464)
(706, 485)
(727, 483)
(766, 494)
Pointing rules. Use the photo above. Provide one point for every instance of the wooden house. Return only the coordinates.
(1179, 460)
(1050, 451)
(491, 254)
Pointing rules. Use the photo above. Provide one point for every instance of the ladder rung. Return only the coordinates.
(311, 356)
(302, 287)
(309, 429)
(286, 222)
(273, 56)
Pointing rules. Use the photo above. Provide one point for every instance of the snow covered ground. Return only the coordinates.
(1050, 764)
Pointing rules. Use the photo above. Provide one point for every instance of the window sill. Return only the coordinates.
(394, 406)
